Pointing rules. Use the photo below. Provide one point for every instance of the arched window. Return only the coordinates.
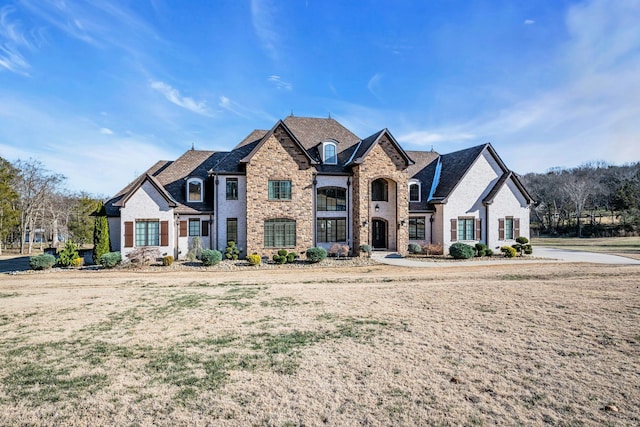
(194, 190)
(332, 199)
(414, 190)
(330, 153)
(380, 190)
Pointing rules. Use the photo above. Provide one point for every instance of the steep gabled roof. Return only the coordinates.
(501, 182)
(454, 167)
(136, 186)
(282, 125)
(366, 145)
(423, 170)
(254, 136)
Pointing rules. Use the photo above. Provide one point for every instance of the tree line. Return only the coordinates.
(37, 210)
(593, 200)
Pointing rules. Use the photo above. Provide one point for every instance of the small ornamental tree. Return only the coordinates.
(232, 252)
(462, 251)
(210, 257)
(101, 244)
(69, 255)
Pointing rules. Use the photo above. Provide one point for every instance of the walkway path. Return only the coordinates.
(546, 255)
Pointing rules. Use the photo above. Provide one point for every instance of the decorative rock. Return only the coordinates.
(611, 408)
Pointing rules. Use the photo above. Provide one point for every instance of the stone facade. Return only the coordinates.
(383, 161)
(279, 158)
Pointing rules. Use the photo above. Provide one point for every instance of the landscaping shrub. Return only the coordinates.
(279, 259)
(461, 251)
(488, 252)
(339, 250)
(522, 245)
(110, 259)
(195, 249)
(291, 257)
(42, 261)
(77, 262)
(101, 242)
(167, 260)
(254, 259)
(68, 254)
(415, 248)
(508, 251)
(210, 257)
(481, 249)
(365, 249)
(316, 254)
(232, 252)
(527, 249)
(522, 240)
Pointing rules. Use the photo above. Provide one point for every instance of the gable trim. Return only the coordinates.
(358, 160)
(155, 183)
(248, 157)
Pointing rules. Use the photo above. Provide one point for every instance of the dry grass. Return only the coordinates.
(510, 345)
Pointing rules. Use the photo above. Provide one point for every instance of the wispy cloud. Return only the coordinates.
(12, 41)
(243, 111)
(424, 138)
(106, 131)
(373, 85)
(263, 18)
(279, 83)
(174, 96)
(529, 22)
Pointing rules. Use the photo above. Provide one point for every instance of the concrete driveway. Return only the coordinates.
(542, 254)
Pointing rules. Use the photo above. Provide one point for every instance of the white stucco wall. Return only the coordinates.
(147, 203)
(335, 181)
(509, 202)
(230, 209)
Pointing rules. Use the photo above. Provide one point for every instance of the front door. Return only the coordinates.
(379, 238)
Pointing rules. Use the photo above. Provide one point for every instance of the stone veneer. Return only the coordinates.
(279, 158)
(383, 161)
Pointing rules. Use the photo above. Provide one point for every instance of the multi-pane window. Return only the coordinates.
(232, 188)
(466, 227)
(148, 233)
(332, 199)
(416, 228)
(279, 190)
(379, 190)
(331, 230)
(508, 228)
(194, 227)
(232, 230)
(279, 233)
(194, 188)
(414, 192)
(330, 153)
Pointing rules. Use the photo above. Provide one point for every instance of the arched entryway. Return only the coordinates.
(379, 233)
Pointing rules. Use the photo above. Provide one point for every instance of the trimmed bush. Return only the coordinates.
(508, 251)
(528, 249)
(110, 259)
(68, 254)
(210, 257)
(481, 249)
(283, 252)
(522, 240)
(232, 252)
(280, 259)
(365, 249)
(316, 254)
(415, 248)
(291, 257)
(488, 252)
(167, 260)
(461, 251)
(254, 259)
(42, 261)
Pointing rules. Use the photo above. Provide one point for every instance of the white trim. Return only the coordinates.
(198, 180)
(419, 184)
(325, 144)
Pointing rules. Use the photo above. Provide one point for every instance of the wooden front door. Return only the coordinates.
(379, 238)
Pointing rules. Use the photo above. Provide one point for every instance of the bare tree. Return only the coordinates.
(35, 186)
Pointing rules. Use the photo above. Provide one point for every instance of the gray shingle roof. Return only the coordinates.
(423, 170)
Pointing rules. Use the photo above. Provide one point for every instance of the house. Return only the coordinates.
(311, 182)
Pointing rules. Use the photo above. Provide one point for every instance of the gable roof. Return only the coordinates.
(501, 182)
(423, 169)
(136, 186)
(454, 167)
(282, 125)
(366, 145)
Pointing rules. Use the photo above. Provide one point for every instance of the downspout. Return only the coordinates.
(431, 219)
(217, 214)
(177, 237)
(349, 225)
(486, 225)
(313, 207)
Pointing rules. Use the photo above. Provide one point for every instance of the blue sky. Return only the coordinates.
(100, 90)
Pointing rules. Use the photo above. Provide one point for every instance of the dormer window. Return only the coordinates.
(414, 190)
(330, 153)
(194, 190)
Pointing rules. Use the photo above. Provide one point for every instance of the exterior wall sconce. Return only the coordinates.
(365, 223)
(403, 223)
(377, 208)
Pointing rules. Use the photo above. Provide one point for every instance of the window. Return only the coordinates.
(279, 233)
(332, 199)
(414, 191)
(148, 233)
(279, 190)
(194, 190)
(508, 228)
(194, 227)
(331, 230)
(466, 227)
(329, 155)
(232, 188)
(232, 230)
(379, 190)
(416, 228)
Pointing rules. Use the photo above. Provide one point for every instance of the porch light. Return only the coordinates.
(377, 208)
(403, 223)
(365, 223)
